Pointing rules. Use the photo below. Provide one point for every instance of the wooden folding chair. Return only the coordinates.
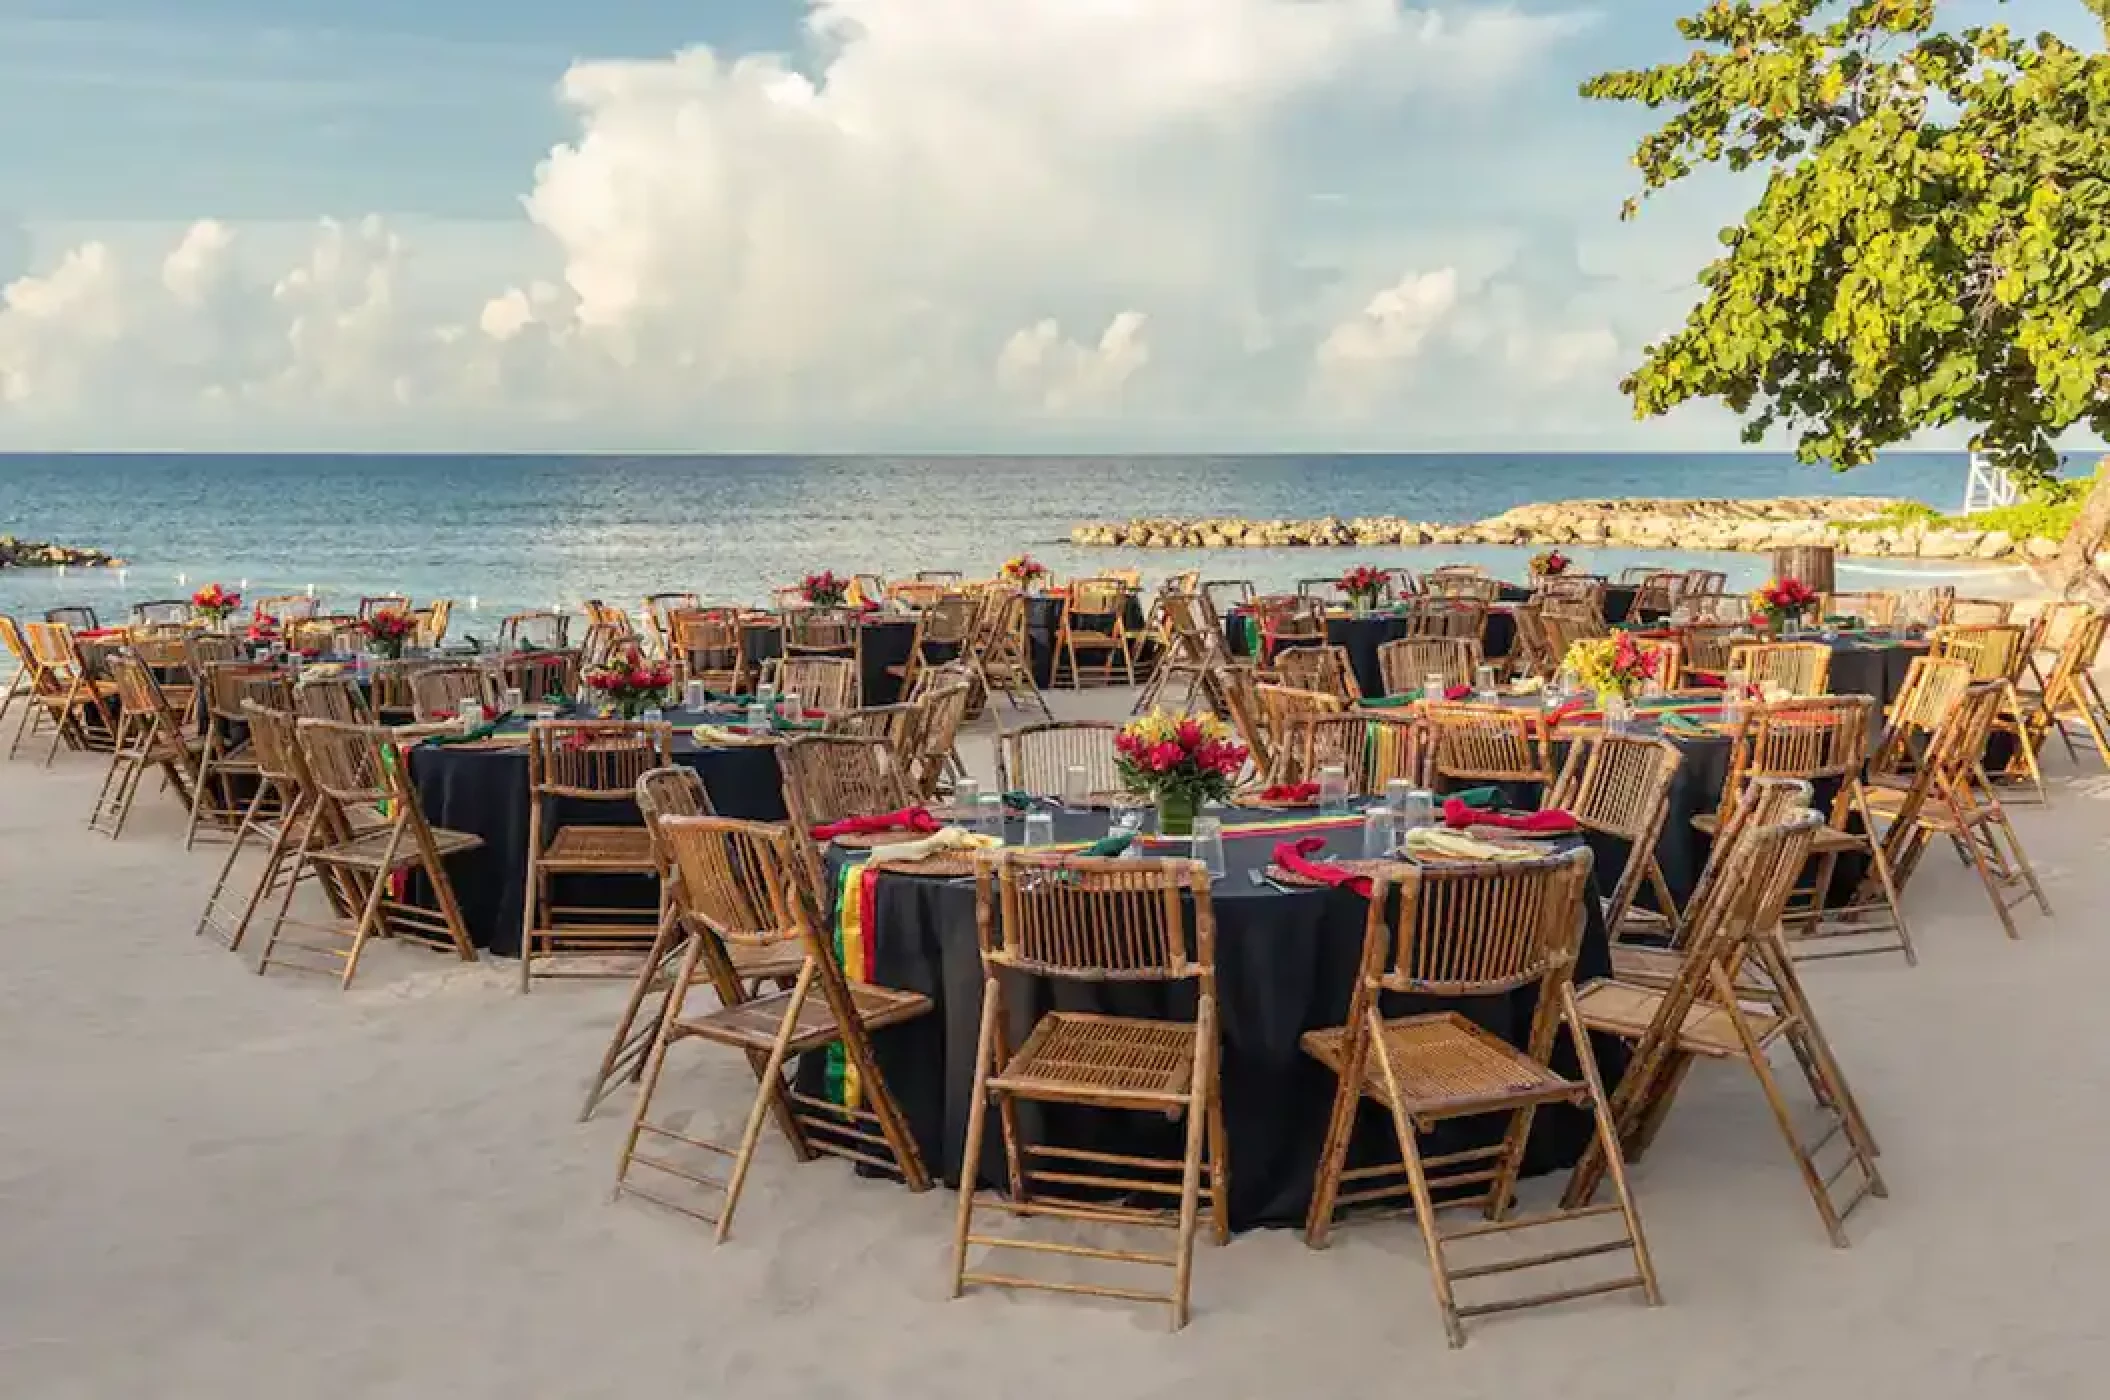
(1407, 664)
(1002, 656)
(596, 763)
(226, 765)
(944, 694)
(377, 840)
(335, 698)
(21, 682)
(2070, 695)
(1969, 611)
(743, 884)
(150, 735)
(79, 708)
(1310, 742)
(1094, 619)
(1797, 669)
(1036, 758)
(1077, 919)
(284, 802)
(1932, 686)
(1873, 609)
(1473, 744)
(945, 624)
(825, 683)
(1463, 931)
(386, 602)
(541, 631)
(1287, 620)
(438, 692)
(1619, 786)
(1193, 647)
(1706, 1013)
(1326, 669)
(1998, 653)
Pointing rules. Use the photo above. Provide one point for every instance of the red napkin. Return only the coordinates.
(916, 819)
(1707, 677)
(1456, 692)
(95, 633)
(1567, 708)
(1457, 814)
(1295, 858)
(1290, 792)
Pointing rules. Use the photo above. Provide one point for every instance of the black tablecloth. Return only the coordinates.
(1363, 633)
(485, 792)
(1044, 621)
(1286, 964)
(883, 642)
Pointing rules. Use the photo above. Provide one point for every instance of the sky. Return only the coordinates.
(838, 225)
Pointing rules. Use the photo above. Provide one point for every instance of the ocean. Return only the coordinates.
(516, 532)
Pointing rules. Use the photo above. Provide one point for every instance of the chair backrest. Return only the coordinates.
(595, 760)
(829, 777)
(900, 725)
(286, 607)
(1485, 743)
(206, 648)
(1098, 920)
(1811, 740)
(1958, 611)
(739, 881)
(1226, 593)
(1279, 702)
(1322, 668)
(2056, 621)
(1759, 803)
(1874, 609)
(432, 621)
(1408, 663)
(274, 744)
(1453, 615)
(603, 641)
(944, 711)
(938, 575)
(347, 763)
(706, 639)
(825, 683)
(911, 593)
(161, 610)
(1958, 746)
(52, 644)
(1287, 617)
(1461, 587)
(228, 685)
(548, 630)
(1799, 668)
(1932, 685)
(600, 614)
(1309, 743)
(1035, 758)
(540, 674)
(386, 602)
(138, 693)
(80, 619)
(1617, 784)
(1995, 651)
(1704, 581)
(1233, 688)
(2075, 660)
(674, 791)
(333, 698)
(439, 692)
(824, 630)
(948, 622)
(1477, 929)
(1098, 598)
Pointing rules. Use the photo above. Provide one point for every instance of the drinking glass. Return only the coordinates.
(1040, 829)
(758, 718)
(1397, 793)
(1333, 790)
(470, 715)
(654, 715)
(1419, 811)
(1380, 833)
(512, 699)
(1209, 846)
(1076, 790)
(1433, 687)
(766, 693)
(1484, 684)
(692, 695)
(791, 707)
(965, 794)
(989, 815)
(1125, 817)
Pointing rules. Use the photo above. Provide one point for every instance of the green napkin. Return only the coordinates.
(712, 697)
(1107, 847)
(481, 732)
(1479, 798)
(1678, 723)
(1391, 702)
(779, 725)
(554, 698)
(1019, 801)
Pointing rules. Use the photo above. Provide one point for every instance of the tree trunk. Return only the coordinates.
(2073, 573)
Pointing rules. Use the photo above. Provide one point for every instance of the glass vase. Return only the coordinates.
(1176, 813)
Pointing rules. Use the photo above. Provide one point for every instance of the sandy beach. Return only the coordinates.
(218, 1185)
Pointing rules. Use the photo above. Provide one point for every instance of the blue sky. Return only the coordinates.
(1001, 223)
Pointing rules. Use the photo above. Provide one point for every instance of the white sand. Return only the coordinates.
(213, 1185)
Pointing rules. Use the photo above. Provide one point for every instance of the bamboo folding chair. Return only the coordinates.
(1002, 656)
(1487, 744)
(600, 614)
(1287, 620)
(708, 648)
(1932, 686)
(1951, 796)
(541, 631)
(1461, 588)
(1369, 750)
(1462, 618)
(825, 683)
(1998, 654)
(1464, 931)
(431, 623)
(31, 685)
(1236, 697)
(78, 707)
(277, 815)
(831, 777)
(1873, 609)
(1194, 646)
(539, 675)
(1707, 648)
(1976, 611)
(168, 657)
(21, 681)
(439, 692)
(1238, 592)
(1823, 741)
(830, 632)
(1531, 651)
(1798, 670)
(1706, 1013)
(335, 698)
(1036, 759)
(79, 619)
(913, 594)
(1326, 669)
(944, 695)
(374, 841)
(386, 602)
(226, 764)
(1703, 581)
(660, 611)
(946, 624)
(1407, 663)
(1619, 786)
(742, 884)
(285, 607)
(1095, 620)
(2055, 624)
(594, 762)
(150, 735)
(1097, 921)
(1563, 630)
(602, 642)
(900, 726)
(1656, 592)
(2070, 695)
(1278, 706)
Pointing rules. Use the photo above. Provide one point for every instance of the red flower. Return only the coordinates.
(1166, 756)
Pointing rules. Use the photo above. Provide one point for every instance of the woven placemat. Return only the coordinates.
(1255, 802)
(1354, 867)
(945, 865)
(1502, 835)
(866, 840)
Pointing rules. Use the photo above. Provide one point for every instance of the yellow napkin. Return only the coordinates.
(321, 670)
(1438, 843)
(1527, 685)
(949, 838)
(719, 735)
(1773, 692)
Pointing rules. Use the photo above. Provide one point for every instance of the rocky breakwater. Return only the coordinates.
(1852, 524)
(37, 554)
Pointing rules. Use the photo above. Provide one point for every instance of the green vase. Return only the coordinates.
(1176, 813)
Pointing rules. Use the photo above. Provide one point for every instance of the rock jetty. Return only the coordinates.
(37, 554)
(1852, 524)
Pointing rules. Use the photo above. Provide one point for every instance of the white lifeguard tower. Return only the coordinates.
(1989, 486)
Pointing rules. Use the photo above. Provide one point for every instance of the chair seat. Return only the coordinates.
(779, 960)
(365, 851)
(1830, 840)
(1658, 967)
(1626, 1010)
(1094, 1059)
(1448, 1067)
(621, 849)
(753, 1025)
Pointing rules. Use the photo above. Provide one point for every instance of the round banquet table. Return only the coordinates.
(483, 789)
(1361, 634)
(1286, 963)
(882, 642)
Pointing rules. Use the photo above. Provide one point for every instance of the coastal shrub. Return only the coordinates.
(2046, 512)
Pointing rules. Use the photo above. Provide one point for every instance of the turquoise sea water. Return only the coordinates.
(516, 532)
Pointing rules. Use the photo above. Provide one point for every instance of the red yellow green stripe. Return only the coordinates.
(854, 928)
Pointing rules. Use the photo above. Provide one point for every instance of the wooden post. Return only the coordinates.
(1811, 563)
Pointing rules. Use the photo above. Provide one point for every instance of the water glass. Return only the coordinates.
(791, 707)
(1419, 811)
(511, 699)
(1040, 828)
(989, 815)
(470, 716)
(1380, 832)
(758, 718)
(692, 693)
(1433, 686)
(1484, 685)
(1397, 793)
(1333, 790)
(1125, 818)
(1076, 790)
(766, 694)
(1209, 846)
(654, 715)
(965, 794)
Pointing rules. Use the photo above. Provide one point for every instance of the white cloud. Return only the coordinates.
(896, 233)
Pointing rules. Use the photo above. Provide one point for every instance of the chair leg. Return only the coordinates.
(977, 1119)
(370, 914)
(1755, 1055)
(771, 1087)
(1615, 1161)
(623, 1046)
(1191, 1171)
(1333, 1157)
(206, 762)
(1418, 1184)
(1219, 1150)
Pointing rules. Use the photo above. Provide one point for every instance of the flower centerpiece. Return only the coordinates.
(825, 589)
(1549, 563)
(1615, 667)
(388, 632)
(1781, 601)
(1181, 761)
(1364, 584)
(215, 603)
(1025, 571)
(629, 682)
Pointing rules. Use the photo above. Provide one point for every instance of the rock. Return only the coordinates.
(1997, 544)
(2041, 548)
(1949, 544)
(41, 554)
